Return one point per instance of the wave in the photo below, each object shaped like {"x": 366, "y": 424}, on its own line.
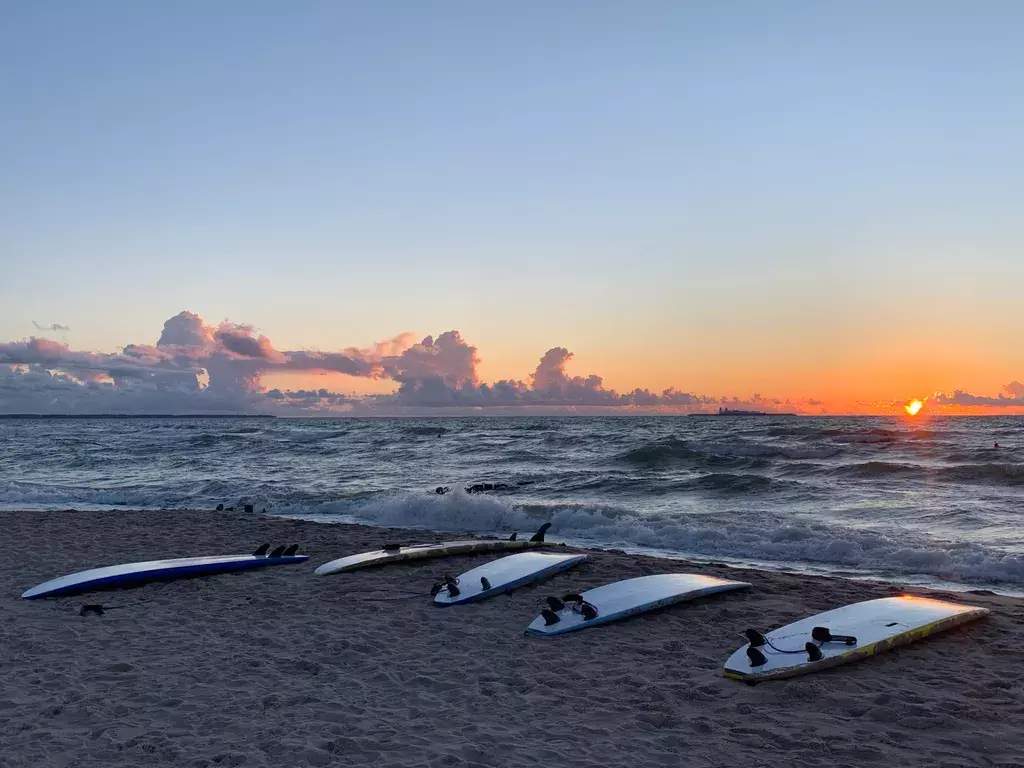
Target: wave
{"x": 727, "y": 482}
{"x": 302, "y": 436}
{"x": 424, "y": 429}
{"x": 1000, "y": 474}
{"x": 675, "y": 450}
{"x": 764, "y": 538}
{"x": 738, "y": 483}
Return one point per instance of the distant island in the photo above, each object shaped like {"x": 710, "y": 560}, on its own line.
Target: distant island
{"x": 136, "y": 416}
{"x": 741, "y": 412}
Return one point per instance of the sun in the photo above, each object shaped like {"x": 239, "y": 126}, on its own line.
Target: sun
{"x": 913, "y": 407}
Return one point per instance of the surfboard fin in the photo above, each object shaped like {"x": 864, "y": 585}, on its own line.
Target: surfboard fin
{"x": 822, "y": 635}
{"x": 485, "y": 583}
{"x": 813, "y": 652}
{"x": 291, "y": 550}
{"x": 262, "y": 550}
{"x": 514, "y": 536}
{"x": 554, "y": 603}
{"x": 278, "y": 551}
{"x": 539, "y": 535}
{"x": 550, "y": 617}
{"x": 755, "y": 638}
{"x": 391, "y": 547}
{"x": 756, "y": 657}
{"x": 589, "y": 612}
{"x": 449, "y": 583}
{"x": 572, "y": 597}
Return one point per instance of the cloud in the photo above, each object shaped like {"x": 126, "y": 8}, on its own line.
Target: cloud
{"x": 961, "y": 398}
{"x": 186, "y": 330}
{"x": 197, "y": 367}
{"x": 239, "y": 340}
{"x": 1015, "y": 388}
{"x": 51, "y": 327}
{"x": 442, "y": 373}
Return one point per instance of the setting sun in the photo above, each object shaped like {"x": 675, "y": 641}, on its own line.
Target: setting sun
{"x": 913, "y": 407}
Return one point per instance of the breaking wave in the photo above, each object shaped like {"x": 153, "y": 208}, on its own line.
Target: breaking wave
{"x": 763, "y": 538}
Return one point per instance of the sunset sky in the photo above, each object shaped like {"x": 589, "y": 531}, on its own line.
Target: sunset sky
{"x": 809, "y": 201}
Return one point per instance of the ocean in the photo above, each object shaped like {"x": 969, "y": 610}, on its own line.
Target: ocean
{"x": 927, "y": 501}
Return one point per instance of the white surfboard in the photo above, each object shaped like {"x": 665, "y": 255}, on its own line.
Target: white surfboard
{"x": 871, "y": 627}
{"x": 128, "y": 574}
{"x": 422, "y": 551}
{"x": 503, "y": 575}
{"x": 623, "y": 599}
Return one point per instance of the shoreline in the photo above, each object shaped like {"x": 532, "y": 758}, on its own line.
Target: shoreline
{"x": 908, "y": 581}
{"x": 278, "y": 666}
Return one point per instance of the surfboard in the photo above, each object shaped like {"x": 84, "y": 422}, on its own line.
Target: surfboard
{"x": 623, "y": 599}
{"x": 843, "y": 635}
{"x": 398, "y": 554}
{"x": 159, "y": 570}
{"x": 503, "y": 575}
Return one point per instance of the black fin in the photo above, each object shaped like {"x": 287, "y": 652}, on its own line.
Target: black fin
{"x": 572, "y": 597}
{"x": 485, "y": 583}
{"x": 813, "y": 652}
{"x": 262, "y": 550}
{"x": 539, "y": 535}
{"x": 756, "y": 657}
{"x": 447, "y": 583}
{"x": 391, "y": 547}
{"x": 823, "y": 635}
{"x": 589, "y": 612}
{"x": 278, "y": 551}
{"x": 756, "y": 638}
{"x": 514, "y": 536}
{"x": 550, "y": 617}
{"x": 291, "y": 550}
{"x": 555, "y": 603}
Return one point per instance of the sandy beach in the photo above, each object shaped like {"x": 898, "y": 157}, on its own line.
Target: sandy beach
{"x": 279, "y": 667}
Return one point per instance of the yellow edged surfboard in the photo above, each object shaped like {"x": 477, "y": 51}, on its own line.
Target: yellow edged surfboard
{"x": 843, "y": 635}
{"x": 398, "y": 554}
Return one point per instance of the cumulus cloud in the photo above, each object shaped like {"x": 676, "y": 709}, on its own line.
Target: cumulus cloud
{"x": 238, "y": 340}
{"x": 197, "y": 367}
{"x": 50, "y": 327}
{"x": 1013, "y": 399}
{"x": 1015, "y": 388}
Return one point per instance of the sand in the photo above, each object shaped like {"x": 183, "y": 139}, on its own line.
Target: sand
{"x": 279, "y": 667}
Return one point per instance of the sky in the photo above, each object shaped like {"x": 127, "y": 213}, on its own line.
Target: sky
{"x": 817, "y": 204}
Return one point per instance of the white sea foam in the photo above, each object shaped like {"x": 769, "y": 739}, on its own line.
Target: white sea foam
{"x": 765, "y": 538}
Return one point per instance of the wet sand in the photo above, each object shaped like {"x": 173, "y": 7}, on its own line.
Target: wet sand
{"x": 280, "y": 667}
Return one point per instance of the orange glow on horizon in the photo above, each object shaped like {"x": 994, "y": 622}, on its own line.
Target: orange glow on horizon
{"x": 913, "y": 407}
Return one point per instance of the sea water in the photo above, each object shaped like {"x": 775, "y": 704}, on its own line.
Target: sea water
{"x": 924, "y": 500}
